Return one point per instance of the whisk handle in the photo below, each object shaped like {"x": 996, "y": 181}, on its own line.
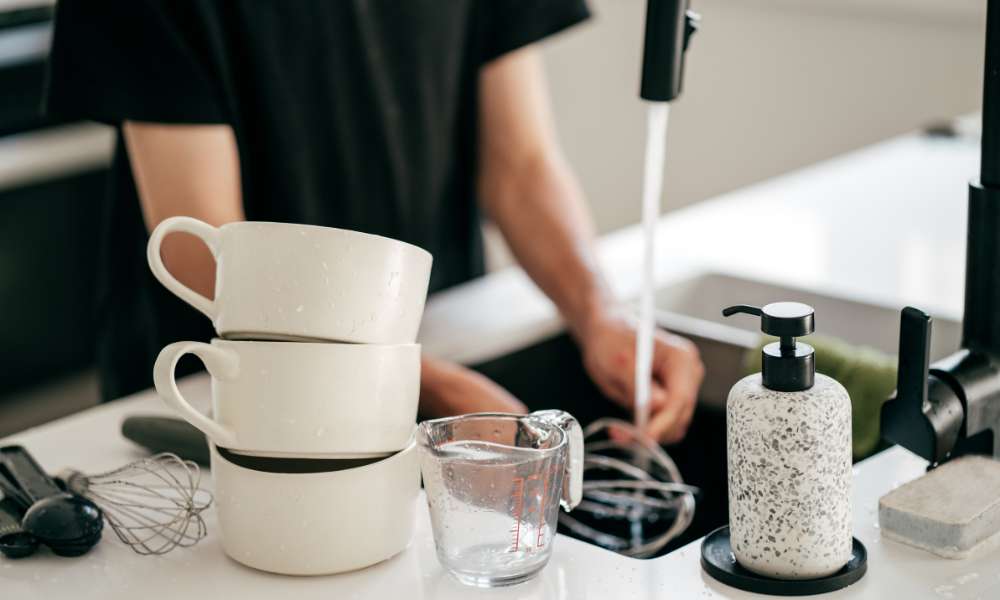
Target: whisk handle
{"x": 221, "y": 363}
{"x": 74, "y": 481}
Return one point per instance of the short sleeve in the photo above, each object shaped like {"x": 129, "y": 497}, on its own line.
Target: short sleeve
{"x": 128, "y": 60}
{"x": 506, "y": 25}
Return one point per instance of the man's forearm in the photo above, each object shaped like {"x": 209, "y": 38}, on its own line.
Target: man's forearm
{"x": 528, "y": 189}
{"x": 541, "y": 212}
{"x": 190, "y": 170}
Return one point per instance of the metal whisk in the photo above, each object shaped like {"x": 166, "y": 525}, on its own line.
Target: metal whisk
{"x": 648, "y": 485}
{"x": 153, "y": 505}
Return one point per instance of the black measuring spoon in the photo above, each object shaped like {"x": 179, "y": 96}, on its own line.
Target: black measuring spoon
{"x": 67, "y": 523}
{"x": 11, "y": 491}
{"x": 14, "y": 541}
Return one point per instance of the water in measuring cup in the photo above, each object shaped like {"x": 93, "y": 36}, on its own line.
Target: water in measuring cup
{"x": 494, "y": 509}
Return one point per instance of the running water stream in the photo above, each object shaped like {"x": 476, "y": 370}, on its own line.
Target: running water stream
{"x": 656, "y": 136}
{"x": 636, "y": 483}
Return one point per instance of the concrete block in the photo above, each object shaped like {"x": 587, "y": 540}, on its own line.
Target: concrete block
{"x": 952, "y": 511}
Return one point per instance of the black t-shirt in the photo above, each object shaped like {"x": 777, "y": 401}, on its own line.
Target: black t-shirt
{"x": 359, "y": 114}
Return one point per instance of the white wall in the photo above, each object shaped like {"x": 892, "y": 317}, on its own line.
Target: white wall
{"x": 770, "y": 85}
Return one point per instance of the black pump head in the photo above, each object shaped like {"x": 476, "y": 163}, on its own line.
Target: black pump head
{"x": 787, "y": 365}
{"x": 669, "y": 25}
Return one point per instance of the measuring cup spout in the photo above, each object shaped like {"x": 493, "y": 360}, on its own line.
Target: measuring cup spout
{"x": 572, "y": 491}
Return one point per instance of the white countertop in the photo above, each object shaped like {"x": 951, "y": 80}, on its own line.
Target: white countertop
{"x": 898, "y": 209}
{"x": 90, "y": 441}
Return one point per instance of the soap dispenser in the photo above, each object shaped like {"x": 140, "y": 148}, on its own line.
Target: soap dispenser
{"x": 789, "y": 446}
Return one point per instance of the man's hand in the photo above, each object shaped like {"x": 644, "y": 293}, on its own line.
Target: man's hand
{"x": 528, "y": 189}
{"x": 608, "y": 346}
{"x": 448, "y": 389}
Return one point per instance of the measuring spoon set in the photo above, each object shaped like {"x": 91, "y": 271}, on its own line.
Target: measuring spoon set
{"x": 36, "y": 510}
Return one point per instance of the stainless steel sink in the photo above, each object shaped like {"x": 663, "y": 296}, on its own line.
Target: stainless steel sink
{"x": 693, "y": 308}
{"x": 550, "y": 374}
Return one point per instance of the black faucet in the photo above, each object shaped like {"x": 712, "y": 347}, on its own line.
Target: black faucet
{"x": 952, "y": 407}
{"x": 669, "y": 26}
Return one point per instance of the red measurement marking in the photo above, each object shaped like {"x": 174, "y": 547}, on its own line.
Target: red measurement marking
{"x": 518, "y": 512}
{"x": 520, "y": 488}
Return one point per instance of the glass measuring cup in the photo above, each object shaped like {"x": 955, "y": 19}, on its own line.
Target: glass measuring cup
{"x": 494, "y": 485}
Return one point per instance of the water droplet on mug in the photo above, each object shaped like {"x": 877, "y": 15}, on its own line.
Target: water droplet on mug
{"x": 320, "y": 431}
{"x": 299, "y": 308}
{"x": 326, "y": 267}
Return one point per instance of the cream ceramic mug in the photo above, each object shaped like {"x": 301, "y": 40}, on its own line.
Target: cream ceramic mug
{"x": 299, "y": 282}
{"x": 316, "y": 523}
{"x": 291, "y": 399}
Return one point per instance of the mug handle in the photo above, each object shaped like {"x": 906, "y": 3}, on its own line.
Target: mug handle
{"x": 572, "y": 491}
{"x": 222, "y": 364}
{"x": 208, "y": 234}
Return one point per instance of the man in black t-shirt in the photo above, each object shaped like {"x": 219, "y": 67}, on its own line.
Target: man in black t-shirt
{"x": 398, "y": 118}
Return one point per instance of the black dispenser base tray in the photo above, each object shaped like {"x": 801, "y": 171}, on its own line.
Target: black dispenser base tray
{"x": 718, "y": 561}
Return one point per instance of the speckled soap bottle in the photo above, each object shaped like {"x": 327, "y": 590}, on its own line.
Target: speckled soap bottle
{"x": 789, "y": 442}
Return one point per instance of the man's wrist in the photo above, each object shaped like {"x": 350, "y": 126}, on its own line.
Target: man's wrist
{"x": 595, "y": 314}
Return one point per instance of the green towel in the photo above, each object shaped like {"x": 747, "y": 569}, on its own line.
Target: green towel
{"x": 868, "y": 375}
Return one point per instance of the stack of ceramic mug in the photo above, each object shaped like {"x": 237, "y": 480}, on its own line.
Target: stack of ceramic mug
{"x": 315, "y": 381}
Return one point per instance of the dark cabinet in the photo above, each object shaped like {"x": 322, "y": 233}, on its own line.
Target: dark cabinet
{"x": 49, "y": 228}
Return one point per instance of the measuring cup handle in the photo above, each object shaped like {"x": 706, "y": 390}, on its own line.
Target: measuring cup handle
{"x": 572, "y": 491}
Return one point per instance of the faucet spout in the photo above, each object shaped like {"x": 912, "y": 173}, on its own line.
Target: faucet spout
{"x": 989, "y": 167}
{"x": 669, "y": 26}
{"x": 952, "y": 407}
{"x": 981, "y": 323}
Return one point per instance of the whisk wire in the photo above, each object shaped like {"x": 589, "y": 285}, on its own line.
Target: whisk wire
{"x": 153, "y": 505}
{"x": 654, "y": 488}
